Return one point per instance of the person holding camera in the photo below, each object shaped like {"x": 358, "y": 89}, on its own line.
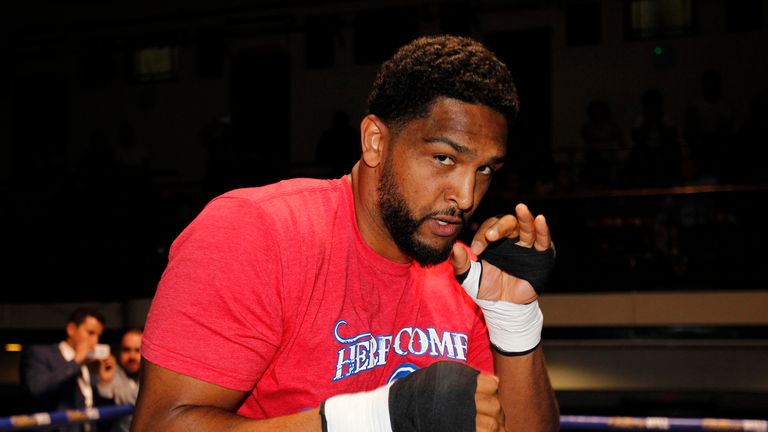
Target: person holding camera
{"x": 65, "y": 375}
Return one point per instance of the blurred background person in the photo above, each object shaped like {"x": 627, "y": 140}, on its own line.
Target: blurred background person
{"x": 122, "y": 384}
{"x": 656, "y": 156}
{"x": 604, "y": 146}
{"x": 710, "y": 128}
{"x": 64, "y": 376}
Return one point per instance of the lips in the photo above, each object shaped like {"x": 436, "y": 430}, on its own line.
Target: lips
{"x": 445, "y": 226}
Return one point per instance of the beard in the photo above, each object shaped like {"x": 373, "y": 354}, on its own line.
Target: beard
{"x": 403, "y": 226}
{"x": 133, "y": 375}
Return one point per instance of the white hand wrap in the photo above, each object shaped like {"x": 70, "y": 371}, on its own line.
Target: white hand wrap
{"x": 512, "y": 328}
{"x": 359, "y": 412}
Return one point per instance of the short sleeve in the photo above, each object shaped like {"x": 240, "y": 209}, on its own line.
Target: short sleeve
{"x": 216, "y": 315}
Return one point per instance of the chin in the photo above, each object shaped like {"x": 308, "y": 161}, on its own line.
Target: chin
{"x": 428, "y": 255}
{"x": 438, "y": 244}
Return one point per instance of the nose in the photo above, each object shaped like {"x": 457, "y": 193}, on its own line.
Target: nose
{"x": 462, "y": 191}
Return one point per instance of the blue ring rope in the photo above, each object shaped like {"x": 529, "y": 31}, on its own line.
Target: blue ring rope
{"x": 54, "y": 418}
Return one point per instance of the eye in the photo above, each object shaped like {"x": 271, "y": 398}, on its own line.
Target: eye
{"x": 485, "y": 170}
{"x": 445, "y": 159}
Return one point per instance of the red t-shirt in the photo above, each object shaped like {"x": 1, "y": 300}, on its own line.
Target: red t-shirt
{"x": 273, "y": 291}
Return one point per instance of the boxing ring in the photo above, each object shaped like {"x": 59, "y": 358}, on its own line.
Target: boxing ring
{"x": 57, "y": 418}
{"x": 567, "y": 422}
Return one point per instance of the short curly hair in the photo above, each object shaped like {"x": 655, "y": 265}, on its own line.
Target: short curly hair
{"x": 431, "y": 67}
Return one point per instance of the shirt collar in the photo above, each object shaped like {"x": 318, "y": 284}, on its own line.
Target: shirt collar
{"x": 66, "y": 351}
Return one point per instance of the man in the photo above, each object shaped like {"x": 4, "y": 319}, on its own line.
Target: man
{"x": 58, "y": 376}
{"x": 333, "y": 305}
{"x": 121, "y": 384}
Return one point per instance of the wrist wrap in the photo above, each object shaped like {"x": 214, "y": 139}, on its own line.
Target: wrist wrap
{"x": 514, "y": 329}
{"x": 356, "y": 412}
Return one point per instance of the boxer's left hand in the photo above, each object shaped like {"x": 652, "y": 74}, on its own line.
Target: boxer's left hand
{"x": 495, "y": 284}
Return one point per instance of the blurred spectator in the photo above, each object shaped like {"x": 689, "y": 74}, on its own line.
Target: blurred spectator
{"x": 709, "y": 128}
{"x": 563, "y": 183}
{"x": 64, "y": 376}
{"x": 656, "y": 157}
{"x": 122, "y": 385}
{"x": 604, "y": 146}
{"x": 747, "y": 157}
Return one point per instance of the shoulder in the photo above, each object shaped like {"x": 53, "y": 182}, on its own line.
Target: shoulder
{"x": 42, "y": 350}
{"x": 278, "y": 199}
{"x": 42, "y": 355}
{"x": 242, "y": 225}
{"x": 283, "y": 189}
{"x": 284, "y": 207}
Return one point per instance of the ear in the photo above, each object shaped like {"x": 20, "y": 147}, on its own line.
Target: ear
{"x": 374, "y": 137}
{"x": 71, "y": 329}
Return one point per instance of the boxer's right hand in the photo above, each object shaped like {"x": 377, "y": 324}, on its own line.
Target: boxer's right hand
{"x": 446, "y": 396}
{"x": 490, "y": 416}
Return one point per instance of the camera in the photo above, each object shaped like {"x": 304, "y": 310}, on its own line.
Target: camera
{"x": 100, "y": 352}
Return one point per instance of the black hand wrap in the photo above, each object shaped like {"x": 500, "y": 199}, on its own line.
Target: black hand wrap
{"x": 523, "y": 262}
{"x": 439, "y": 398}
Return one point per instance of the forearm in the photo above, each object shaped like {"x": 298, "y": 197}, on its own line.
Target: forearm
{"x": 169, "y": 401}
{"x": 526, "y": 393}
{"x": 203, "y": 418}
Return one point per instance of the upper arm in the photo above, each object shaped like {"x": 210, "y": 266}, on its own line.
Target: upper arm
{"x": 164, "y": 394}
{"x": 170, "y": 402}
{"x": 221, "y": 288}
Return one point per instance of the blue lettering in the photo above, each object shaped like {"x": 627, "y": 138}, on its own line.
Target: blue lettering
{"x": 365, "y": 351}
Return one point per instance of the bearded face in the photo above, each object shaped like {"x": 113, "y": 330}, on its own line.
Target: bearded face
{"x": 404, "y": 226}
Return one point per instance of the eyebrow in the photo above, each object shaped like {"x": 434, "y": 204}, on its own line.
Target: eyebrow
{"x": 462, "y": 149}
{"x": 456, "y": 146}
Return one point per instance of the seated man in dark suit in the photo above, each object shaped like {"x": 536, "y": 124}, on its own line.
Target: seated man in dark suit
{"x": 64, "y": 376}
